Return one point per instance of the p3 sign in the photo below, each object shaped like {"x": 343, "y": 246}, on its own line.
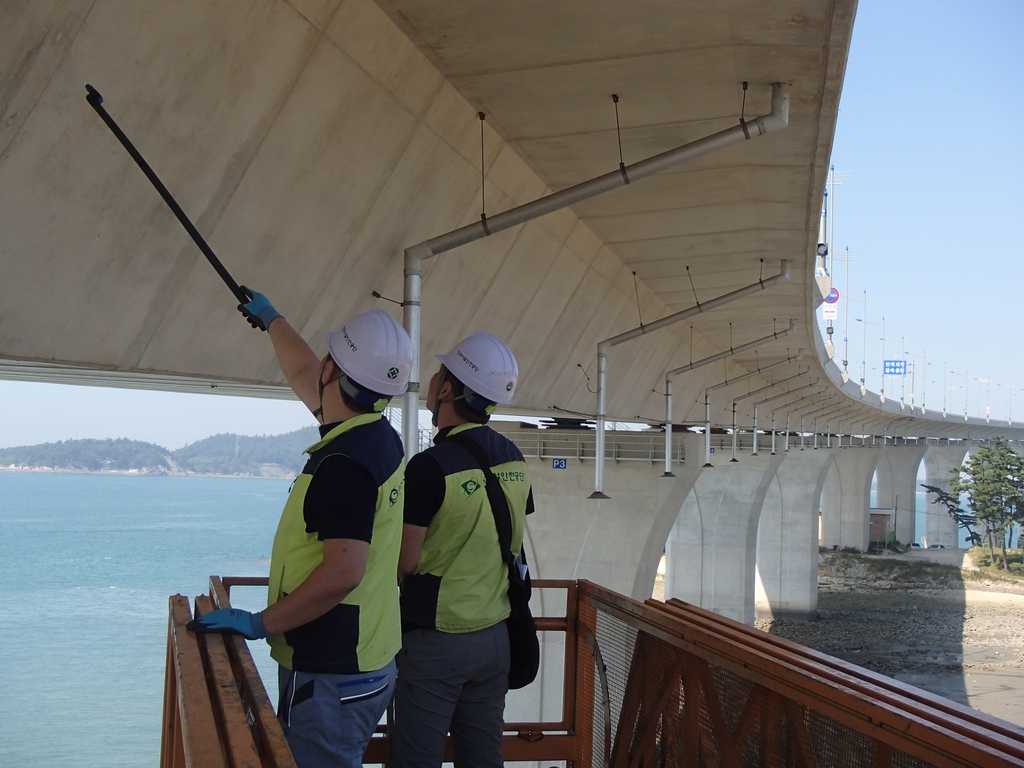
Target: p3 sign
{"x": 558, "y": 463}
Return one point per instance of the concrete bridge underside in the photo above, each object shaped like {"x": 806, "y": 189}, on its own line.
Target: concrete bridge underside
{"x": 313, "y": 140}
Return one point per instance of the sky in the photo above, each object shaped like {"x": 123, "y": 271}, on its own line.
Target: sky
{"x": 929, "y": 130}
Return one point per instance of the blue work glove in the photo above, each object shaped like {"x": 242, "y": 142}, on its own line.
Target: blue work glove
{"x": 258, "y": 310}
{"x": 230, "y": 621}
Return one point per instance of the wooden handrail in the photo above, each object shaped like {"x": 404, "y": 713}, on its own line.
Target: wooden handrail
{"x": 217, "y": 713}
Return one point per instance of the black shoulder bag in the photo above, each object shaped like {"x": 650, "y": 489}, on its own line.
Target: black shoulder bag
{"x": 524, "y": 648}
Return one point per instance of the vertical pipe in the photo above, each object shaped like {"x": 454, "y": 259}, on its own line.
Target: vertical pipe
{"x": 814, "y": 429}
{"x": 411, "y": 322}
{"x": 828, "y": 433}
{"x": 786, "y": 443}
{"x": 754, "y": 452}
{"x": 734, "y": 431}
{"x": 668, "y": 428}
{"x": 707, "y": 430}
{"x": 773, "y": 433}
{"x": 801, "y": 431}
{"x": 602, "y": 371}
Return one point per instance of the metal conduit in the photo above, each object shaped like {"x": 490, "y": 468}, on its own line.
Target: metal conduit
{"x": 707, "y": 392}
{"x": 789, "y": 415}
{"x": 757, "y": 392}
{"x": 759, "y": 371}
{"x": 820, "y": 411}
{"x": 604, "y": 346}
{"x": 839, "y": 424}
{"x": 725, "y": 383}
{"x": 753, "y": 451}
{"x": 838, "y": 416}
{"x": 415, "y": 254}
{"x": 780, "y": 408}
{"x": 784, "y": 405}
{"x": 831, "y": 411}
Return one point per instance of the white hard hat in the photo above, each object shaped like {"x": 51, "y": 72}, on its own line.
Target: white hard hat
{"x": 374, "y": 351}
{"x": 486, "y": 365}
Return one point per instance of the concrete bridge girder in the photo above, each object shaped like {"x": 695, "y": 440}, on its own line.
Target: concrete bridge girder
{"x": 787, "y": 538}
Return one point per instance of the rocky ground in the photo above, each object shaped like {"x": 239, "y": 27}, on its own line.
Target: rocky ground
{"x": 947, "y": 629}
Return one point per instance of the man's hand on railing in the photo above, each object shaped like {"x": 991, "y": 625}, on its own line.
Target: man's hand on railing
{"x": 230, "y": 621}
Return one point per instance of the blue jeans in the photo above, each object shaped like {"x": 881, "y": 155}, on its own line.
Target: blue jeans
{"x": 329, "y": 719}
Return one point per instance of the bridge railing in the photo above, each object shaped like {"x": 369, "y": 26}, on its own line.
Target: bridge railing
{"x": 581, "y": 445}
{"x": 652, "y": 683}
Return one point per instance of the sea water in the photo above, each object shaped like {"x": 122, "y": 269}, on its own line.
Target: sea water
{"x": 87, "y": 563}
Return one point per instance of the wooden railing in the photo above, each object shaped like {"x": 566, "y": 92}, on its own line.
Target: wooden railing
{"x": 644, "y": 684}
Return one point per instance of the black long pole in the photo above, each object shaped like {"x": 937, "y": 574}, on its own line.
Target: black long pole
{"x": 95, "y": 101}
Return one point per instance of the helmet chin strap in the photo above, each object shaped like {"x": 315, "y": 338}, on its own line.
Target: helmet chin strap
{"x": 437, "y": 400}
{"x": 467, "y": 393}
{"x": 346, "y": 387}
{"x": 318, "y": 414}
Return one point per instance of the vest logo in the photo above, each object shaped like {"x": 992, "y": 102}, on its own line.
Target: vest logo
{"x": 395, "y": 493}
{"x": 392, "y": 373}
{"x": 471, "y": 487}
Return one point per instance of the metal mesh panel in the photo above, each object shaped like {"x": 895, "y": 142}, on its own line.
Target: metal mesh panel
{"x": 903, "y": 760}
{"x": 672, "y": 708}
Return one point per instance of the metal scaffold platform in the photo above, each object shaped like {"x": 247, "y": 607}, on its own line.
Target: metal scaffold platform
{"x": 642, "y": 684}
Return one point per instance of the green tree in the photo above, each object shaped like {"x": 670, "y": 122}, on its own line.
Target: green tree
{"x": 963, "y": 518}
{"x": 993, "y": 481}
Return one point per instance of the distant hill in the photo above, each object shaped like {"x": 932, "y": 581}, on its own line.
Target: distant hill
{"x": 229, "y": 454}
{"x": 225, "y": 454}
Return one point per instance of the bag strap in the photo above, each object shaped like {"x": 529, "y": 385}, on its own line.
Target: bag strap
{"x": 495, "y": 495}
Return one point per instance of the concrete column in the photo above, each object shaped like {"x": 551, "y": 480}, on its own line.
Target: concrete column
{"x": 846, "y": 497}
{"x": 710, "y": 553}
{"x": 787, "y": 539}
{"x": 940, "y": 528}
{"x": 897, "y": 486}
{"x": 616, "y": 542}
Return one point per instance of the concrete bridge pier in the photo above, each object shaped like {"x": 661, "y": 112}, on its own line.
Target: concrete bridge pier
{"x": 787, "y": 538}
{"x": 897, "y": 486}
{"x": 940, "y": 528}
{"x": 615, "y": 542}
{"x": 846, "y": 498}
{"x": 710, "y": 553}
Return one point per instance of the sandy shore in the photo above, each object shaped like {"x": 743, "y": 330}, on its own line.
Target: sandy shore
{"x": 957, "y": 635}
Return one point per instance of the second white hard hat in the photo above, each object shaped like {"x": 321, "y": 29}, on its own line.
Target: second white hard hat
{"x": 486, "y": 365}
{"x": 374, "y": 351}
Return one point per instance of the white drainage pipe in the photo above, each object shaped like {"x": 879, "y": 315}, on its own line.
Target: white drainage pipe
{"x": 818, "y": 413}
{"x": 771, "y": 399}
{"x": 415, "y": 254}
{"x": 707, "y": 392}
{"x": 758, "y": 392}
{"x": 604, "y": 346}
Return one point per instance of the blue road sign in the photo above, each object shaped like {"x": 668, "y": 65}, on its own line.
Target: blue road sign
{"x": 558, "y": 463}
{"x": 833, "y": 296}
{"x": 894, "y": 367}
{"x": 712, "y": 450}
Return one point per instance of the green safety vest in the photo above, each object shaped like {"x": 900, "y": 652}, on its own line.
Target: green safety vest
{"x": 461, "y": 582}
{"x": 363, "y": 633}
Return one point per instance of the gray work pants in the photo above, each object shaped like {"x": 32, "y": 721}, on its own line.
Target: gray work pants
{"x": 329, "y": 719}
{"x": 450, "y": 683}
